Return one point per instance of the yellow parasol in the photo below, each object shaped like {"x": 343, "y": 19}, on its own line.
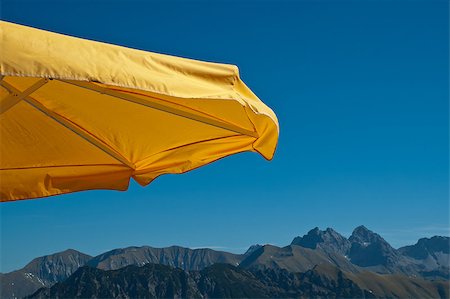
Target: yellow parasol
{"x": 81, "y": 115}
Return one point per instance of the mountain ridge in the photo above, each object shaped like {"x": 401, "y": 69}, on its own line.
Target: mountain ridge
{"x": 363, "y": 251}
{"x": 175, "y": 256}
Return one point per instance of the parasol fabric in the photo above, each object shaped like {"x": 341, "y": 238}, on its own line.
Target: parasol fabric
{"x": 79, "y": 115}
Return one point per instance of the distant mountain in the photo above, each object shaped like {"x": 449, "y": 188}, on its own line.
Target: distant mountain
{"x": 425, "y": 248}
{"x": 370, "y": 249}
{"x": 175, "y": 256}
{"x": 41, "y": 272}
{"x": 329, "y": 240}
{"x": 433, "y": 255}
{"x": 227, "y": 281}
{"x": 363, "y": 252}
{"x": 47, "y": 270}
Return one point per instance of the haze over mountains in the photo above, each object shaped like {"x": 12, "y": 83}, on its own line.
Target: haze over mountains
{"x": 363, "y": 258}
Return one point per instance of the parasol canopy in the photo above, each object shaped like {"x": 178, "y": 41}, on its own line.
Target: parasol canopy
{"x": 80, "y": 115}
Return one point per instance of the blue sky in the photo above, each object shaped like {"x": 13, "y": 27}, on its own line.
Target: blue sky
{"x": 361, "y": 91}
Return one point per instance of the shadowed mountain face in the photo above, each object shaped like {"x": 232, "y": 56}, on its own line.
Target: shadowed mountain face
{"x": 370, "y": 249}
{"x": 427, "y": 247}
{"x": 41, "y": 272}
{"x": 227, "y": 281}
{"x": 433, "y": 255}
{"x": 252, "y": 249}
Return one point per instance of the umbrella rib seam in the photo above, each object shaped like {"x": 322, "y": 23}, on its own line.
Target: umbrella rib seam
{"x": 73, "y": 128}
{"x": 161, "y": 107}
{"x": 16, "y": 95}
{"x": 86, "y": 136}
{"x": 145, "y": 170}
{"x": 182, "y": 106}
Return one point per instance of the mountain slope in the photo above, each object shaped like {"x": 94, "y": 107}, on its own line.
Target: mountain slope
{"x": 433, "y": 256}
{"x": 227, "y": 281}
{"x": 294, "y": 258}
{"x": 41, "y": 272}
{"x": 217, "y": 281}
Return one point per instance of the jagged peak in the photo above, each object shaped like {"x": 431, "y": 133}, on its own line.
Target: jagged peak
{"x": 361, "y": 229}
{"x": 328, "y": 240}
{"x": 362, "y": 234}
{"x": 314, "y": 230}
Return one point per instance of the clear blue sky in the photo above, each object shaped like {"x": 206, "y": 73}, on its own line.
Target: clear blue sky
{"x": 361, "y": 92}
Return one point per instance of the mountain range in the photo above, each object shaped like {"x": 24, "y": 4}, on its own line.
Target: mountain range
{"x": 364, "y": 254}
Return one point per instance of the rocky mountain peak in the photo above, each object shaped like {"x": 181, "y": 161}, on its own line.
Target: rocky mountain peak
{"x": 362, "y": 234}
{"x": 370, "y": 249}
{"x": 328, "y": 240}
{"x": 315, "y": 231}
